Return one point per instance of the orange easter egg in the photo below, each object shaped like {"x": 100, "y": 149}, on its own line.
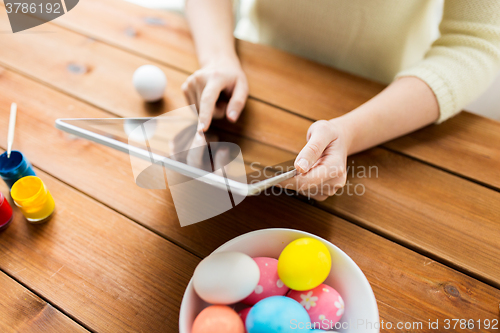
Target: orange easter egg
{"x": 218, "y": 319}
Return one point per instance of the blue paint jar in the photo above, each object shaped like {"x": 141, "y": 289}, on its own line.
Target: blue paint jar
{"x": 14, "y": 168}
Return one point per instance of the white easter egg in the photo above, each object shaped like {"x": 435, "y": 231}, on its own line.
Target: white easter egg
{"x": 226, "y": 277}
{"x": 150, "y": 82}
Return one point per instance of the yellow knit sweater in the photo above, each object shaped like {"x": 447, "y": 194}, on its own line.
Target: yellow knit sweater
{"x": 386, "y": 39}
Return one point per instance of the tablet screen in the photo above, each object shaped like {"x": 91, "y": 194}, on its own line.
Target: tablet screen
{"x": 174, "y": 135}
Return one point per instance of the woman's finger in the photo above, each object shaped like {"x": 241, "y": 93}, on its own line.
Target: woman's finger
{"x": 209, "y": 97}
{"x": 322, "y": 134}
{"x": 237, "y": 101}
{"x": 322, "y": 191}
{"x": 197, "y": 150}
{"x": 319, "y": 197}
{"x": 189, "y": 92}
{"x": 329, "y": 169}
{"x": 331, "y": 187}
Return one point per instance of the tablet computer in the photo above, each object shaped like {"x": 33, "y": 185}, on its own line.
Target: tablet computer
{"x": 218, "y": 157}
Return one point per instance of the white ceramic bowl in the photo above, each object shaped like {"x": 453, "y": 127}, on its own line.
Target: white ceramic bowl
{"x": 361, "y": 310}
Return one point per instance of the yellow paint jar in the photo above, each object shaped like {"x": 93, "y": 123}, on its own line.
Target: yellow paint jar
{"x": 32, "y": 197}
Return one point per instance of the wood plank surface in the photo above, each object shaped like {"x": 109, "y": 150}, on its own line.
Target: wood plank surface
{"x": 269, "y": 76}
{"x": 107, "y": 81}
{"x": 408, "y": 286}
{"x": 277, "y": 127}
{"x": 432, "y": 290}
{"x": 104, "y": 270}
{"x": 298, "y": 85}
{"x": 467, "y": 145}
{"x": 24, "y": 312}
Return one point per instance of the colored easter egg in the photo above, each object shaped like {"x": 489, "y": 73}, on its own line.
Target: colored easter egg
{"x": 269, "y": 282}
{"x": 244, "y": 314}
{"x": 218, "y": 319}
{"x": 323, "y": 304}
{"x": 225, "y": 277}
{"x": 277, "y": 314}
{"x": 304, "y": 264}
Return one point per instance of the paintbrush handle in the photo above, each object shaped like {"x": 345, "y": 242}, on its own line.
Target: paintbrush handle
{"x": 12, "y": 125}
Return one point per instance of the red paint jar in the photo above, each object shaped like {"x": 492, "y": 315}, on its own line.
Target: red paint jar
{"x": 5, "y": 212}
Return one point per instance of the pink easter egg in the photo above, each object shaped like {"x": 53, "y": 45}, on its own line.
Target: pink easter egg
{"x": 269, "y": 283}
{"x": 324, "y": 305}
{"x": 243, "y": 315}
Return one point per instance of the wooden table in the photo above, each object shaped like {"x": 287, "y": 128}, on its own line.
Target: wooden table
{"x": 114, "y": 258}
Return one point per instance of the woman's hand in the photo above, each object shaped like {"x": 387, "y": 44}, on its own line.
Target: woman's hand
{"x": 204, "y": 87}
{"x": 321, "y": 164}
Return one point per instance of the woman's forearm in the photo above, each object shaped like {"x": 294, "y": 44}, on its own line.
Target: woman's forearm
{"x": 212, "y": 26}
{"x": 404, "y": 106}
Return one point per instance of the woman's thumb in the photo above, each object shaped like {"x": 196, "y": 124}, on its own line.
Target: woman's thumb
{"x": 321, "y": 136}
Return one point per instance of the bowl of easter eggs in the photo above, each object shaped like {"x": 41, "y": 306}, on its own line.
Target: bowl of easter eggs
{"x": 278, "y": 280}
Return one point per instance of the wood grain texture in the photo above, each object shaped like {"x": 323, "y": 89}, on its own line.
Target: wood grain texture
{"x": 107, "y": 83}
{"x": 295, "y": 84}
{"x": 406, "y": 284}
{"x": 24, "y": 312}
{"x": 165, "y": 37}
{"x": 467, "y": 145}
{"x": 104, "y": 270}
{"x": 277, "y": 127}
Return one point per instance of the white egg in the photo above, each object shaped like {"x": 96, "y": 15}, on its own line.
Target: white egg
{"x": 226, "y": 277}
{"x": 150, "y": 82}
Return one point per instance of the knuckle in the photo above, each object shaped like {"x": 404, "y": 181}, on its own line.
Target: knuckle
{"x": 195, "y": 78}
{"x": 317, "y": 125}
{"x": 331, "y": 191}
{"x": 314, "y": 149}
{"x": 205, "y": 98}
{"x": 238, "y": 104}
{"x": 243, "y": 81}
{"x": 341, "y": 172}
{"x": 337, "y": 187}
{"x": 188, "y": 82}
{"x": 344, "y": 179}
{"x": 321, "y": 124}
{"x": 325, "y": 126}
{"x": 340, "y": 183}
{"x": 215, "y": 73}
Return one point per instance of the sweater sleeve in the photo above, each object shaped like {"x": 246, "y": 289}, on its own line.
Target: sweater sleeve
{"x": 463, "y": 61}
